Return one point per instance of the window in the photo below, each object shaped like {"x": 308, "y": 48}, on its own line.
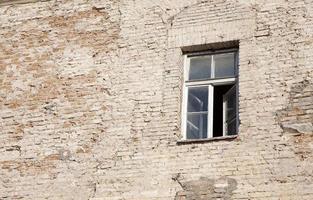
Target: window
{"x": 210, "y": 102}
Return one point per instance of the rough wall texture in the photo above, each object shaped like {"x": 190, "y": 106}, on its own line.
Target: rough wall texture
{"x": 91, "y": 89}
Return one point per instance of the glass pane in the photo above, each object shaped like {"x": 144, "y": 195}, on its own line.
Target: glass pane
{"x": 197, "y": 126}
{"x": 197, "y": 99}
{"x": 231, "y": 127}
{"x": 224, "y": 65}
{"x": 231, "y": 104}
{"x": 200, "y": 68}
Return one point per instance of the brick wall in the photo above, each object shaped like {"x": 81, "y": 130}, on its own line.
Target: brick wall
{"x": 91, "y": 95}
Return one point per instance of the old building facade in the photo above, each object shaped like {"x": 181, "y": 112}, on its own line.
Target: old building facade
{"x": 91, "y": 100}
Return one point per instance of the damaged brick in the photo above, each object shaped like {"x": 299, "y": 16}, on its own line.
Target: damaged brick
{"x": 296, "y": 120}
{"x": 205, "y": 188}
{"x": 297, "y": 117}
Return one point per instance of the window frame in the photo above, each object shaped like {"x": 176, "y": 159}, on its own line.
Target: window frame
{"x": 210, "y": 82}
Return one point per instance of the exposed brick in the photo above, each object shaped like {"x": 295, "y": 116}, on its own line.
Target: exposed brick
{"x": 90, "y": 100}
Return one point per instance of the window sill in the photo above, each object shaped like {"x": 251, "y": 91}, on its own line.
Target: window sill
{"x": 190, "y": 141}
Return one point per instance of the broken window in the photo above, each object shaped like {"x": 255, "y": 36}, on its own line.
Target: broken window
{"x": 210, "y": 102}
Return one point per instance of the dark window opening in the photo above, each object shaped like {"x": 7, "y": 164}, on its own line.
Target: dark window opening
{"x": 219, "y": 92}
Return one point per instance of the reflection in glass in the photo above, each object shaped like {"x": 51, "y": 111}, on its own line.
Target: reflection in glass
{"x": 197, "y": 126}
{"x": 197, "y": 99}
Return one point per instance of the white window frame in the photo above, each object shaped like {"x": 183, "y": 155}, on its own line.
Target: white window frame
{"x": 225, "y": 111}
{"x": 210, "y": 83}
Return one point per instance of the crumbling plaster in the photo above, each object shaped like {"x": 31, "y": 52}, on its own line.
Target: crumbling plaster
{"x": 91, "y": 90}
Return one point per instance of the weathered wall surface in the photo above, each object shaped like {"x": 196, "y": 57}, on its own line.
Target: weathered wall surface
{"x": 90, "y": 100}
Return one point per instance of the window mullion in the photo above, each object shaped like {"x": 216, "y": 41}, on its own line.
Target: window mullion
{"x": 211, "y": 81}
{"x": 185, "y": 97}
{"x": 212, "y": 67}
{"x": 224, "y": 117}
{"x": 210, "y": 101}
{"x": 237, "y": 106}
{"x": 184, "y": 110}
{"x": 187, "y": 64}
{"x": 210, "y": 111}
